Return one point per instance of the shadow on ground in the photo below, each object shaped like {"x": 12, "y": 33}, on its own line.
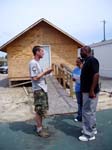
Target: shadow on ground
{"x": 64, "y": 134}
{"x": 66, "y": 125}
{"x": 4, "y": 82}
{"x": 23, "y": 127}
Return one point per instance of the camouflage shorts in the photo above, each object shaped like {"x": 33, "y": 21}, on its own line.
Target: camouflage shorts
{"x": 40, "y": 102}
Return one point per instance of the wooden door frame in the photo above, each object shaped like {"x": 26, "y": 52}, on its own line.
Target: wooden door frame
{"x": 49, "y": 52}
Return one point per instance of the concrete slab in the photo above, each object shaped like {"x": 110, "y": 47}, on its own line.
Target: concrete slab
{"x": 59, "y": 100}
{"x": 106, "y": 84}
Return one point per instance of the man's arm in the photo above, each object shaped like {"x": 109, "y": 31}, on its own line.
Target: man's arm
{"x": 95, "y": 68}
{"x": 94, "y": 83}
{"x": 40, "y": 75}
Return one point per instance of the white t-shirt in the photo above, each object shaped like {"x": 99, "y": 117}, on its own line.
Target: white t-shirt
{"x": 35, "y": 69}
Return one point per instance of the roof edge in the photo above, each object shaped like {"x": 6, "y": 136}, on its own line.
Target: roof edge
{"x": 33, "y": 25}
{"x": 101, "y": 43}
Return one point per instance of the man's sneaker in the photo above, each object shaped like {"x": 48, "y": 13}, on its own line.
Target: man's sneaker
{"x": 85, "y": 138}
{"x": 95, "y": 131}
{"x": 76, "y": 120}
{"x": 43, "y": 128}
{"x": 43, "y": 134}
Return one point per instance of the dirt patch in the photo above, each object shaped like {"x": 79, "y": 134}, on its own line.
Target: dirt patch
{"x": 15, "y": 105}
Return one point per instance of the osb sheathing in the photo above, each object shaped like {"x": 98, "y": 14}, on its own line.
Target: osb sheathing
{"x": 63, "y": 49}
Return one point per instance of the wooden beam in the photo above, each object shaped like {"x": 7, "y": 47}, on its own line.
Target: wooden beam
{"x": 18, "y": 84}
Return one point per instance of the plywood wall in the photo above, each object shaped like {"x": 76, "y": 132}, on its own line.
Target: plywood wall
{"x": 63, "y": 49}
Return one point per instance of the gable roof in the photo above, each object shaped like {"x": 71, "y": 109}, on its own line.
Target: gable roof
{"x": 36, "y": 23}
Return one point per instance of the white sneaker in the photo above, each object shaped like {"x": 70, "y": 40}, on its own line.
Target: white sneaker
{"x": 95, "y": 132}
{"x": 85, "y": 138}
{"x": 76, "y": 120}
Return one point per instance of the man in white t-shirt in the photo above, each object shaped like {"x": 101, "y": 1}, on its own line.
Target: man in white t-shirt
{"x": 39, "y": 87}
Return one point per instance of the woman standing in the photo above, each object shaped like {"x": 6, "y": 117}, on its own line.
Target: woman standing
{"x": 76, "y": 77}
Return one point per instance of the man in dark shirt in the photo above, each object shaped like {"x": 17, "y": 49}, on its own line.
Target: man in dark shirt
{"x": 90, "y": 90}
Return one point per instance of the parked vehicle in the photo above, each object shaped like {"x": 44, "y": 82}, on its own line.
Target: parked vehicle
{"x": 4, "y": 68}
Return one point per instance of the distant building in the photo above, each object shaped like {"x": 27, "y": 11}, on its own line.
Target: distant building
{"x": 3, "y": 61}
{"x": 60, "y": 47}
{"x": 103, "y": 51}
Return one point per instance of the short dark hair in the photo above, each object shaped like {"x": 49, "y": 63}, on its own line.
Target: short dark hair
{"x": 35, "y": 49}
{"x": 88, "y": 48}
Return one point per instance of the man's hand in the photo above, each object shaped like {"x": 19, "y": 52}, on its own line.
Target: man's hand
{"x": 92, "y": 94}
{"x": 48, "y": 70}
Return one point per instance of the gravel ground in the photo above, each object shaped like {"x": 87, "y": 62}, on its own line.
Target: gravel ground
{"x": 14, "y": 103}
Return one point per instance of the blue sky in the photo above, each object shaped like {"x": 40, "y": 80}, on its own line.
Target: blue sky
{"x": 80, "y": 18}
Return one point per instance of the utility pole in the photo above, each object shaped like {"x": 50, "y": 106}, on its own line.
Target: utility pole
{"x": 104, "y": 22}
